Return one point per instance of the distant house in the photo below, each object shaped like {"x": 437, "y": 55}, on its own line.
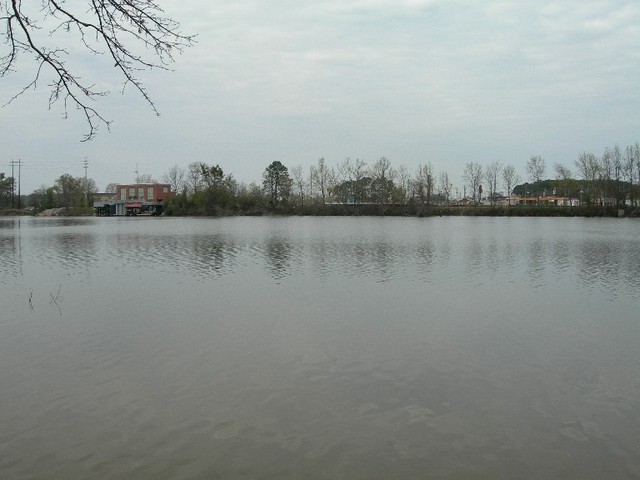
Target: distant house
{"x": 136, "y": 199}
{"x": 548, "y": 201}
{"x": 497, "y": 199}
{"x": 463, "y": 202}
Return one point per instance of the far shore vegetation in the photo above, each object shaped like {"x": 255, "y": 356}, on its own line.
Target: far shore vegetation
{"x": 606, "y": 185}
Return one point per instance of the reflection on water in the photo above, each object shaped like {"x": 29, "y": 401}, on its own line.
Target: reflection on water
{"x": 319, "y": 348}
{"x": 10, "y": 257}
{"x": 426, "y": 254}
{"x": 212, "y": 255}
{"x": 278, "y": 256}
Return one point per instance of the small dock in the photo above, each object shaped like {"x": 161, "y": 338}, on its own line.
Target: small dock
{"x": 128, "y": 209}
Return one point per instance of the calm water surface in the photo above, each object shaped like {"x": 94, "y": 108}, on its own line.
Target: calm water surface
{"x": 319, "y": 348}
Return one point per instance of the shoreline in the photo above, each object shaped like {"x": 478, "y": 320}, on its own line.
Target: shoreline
{"x": 370, "y": 210}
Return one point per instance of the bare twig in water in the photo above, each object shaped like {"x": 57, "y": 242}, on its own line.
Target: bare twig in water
{"x": 54, "y": 299}
{"x": 31, "y": 300}
{"x": 57, "y": 297}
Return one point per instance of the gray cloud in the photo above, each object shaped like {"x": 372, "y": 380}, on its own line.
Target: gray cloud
{"x": 442, "y": 81}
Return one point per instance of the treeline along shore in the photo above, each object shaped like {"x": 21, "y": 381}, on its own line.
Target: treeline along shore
{"x": 606, "y": 185}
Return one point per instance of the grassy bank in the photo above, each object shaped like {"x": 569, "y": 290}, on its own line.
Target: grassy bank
{"x": 442, "y": 210}
{"x": 14, "y": 212}
{"x": 51, "y": 212}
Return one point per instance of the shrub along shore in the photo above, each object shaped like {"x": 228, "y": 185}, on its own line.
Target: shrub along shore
{"x": 413, "y": 210}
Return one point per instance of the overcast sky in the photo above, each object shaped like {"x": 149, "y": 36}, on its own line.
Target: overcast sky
{"x": 440, "y": 81}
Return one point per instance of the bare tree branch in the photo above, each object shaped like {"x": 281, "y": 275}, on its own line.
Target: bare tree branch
{"x": 117, "y": 29}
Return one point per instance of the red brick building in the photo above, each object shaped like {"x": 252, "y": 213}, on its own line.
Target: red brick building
{"x": 136, "y": 199}
{"x": 144, "y": 192}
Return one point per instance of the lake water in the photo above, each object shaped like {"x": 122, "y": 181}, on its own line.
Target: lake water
{"x": 319, "y": 348}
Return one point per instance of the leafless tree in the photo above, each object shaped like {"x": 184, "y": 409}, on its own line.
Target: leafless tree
{"x": 473, "y": 176}
{"x": 606, "y": 172}
{"x": 636, "y": 155}
{"x": 629, "y": 173}
{"x": 118, "y": 30}
{"x": 535, "y": 168}
{"x": 492, "y": 173}
{"x": 588, "y": 166}
{"x": 312, "y": 181}
{"x": 176, "y": 178}
{"x": 321, "y": 174}
{"x": 145, "y": 178}
{"x": 616, "y": 163}
{"x": 423, "y": 183}
{"x": 298, "y": 181}
{"x": 194, "y": 179}
{"x": 563, "y": 175}
{"x": 509, "y": 179}
{"x": 350, "y": 170}
{"x": 445, "y": 186}
{"x": 404, "y": 182}
{"x": 381, "y": 168}
{"x": 344, "y": 169}
{"x": 382, "y": 176}
{"x": 356, "y": 172}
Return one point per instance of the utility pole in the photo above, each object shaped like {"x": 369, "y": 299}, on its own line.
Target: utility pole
{"x": 86, "y": 182}
{"x": 13, "y": 164}
{"x": 19, "y": 194}
{"x": 137, "y": 176}
{"x": 13, "y": 183}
